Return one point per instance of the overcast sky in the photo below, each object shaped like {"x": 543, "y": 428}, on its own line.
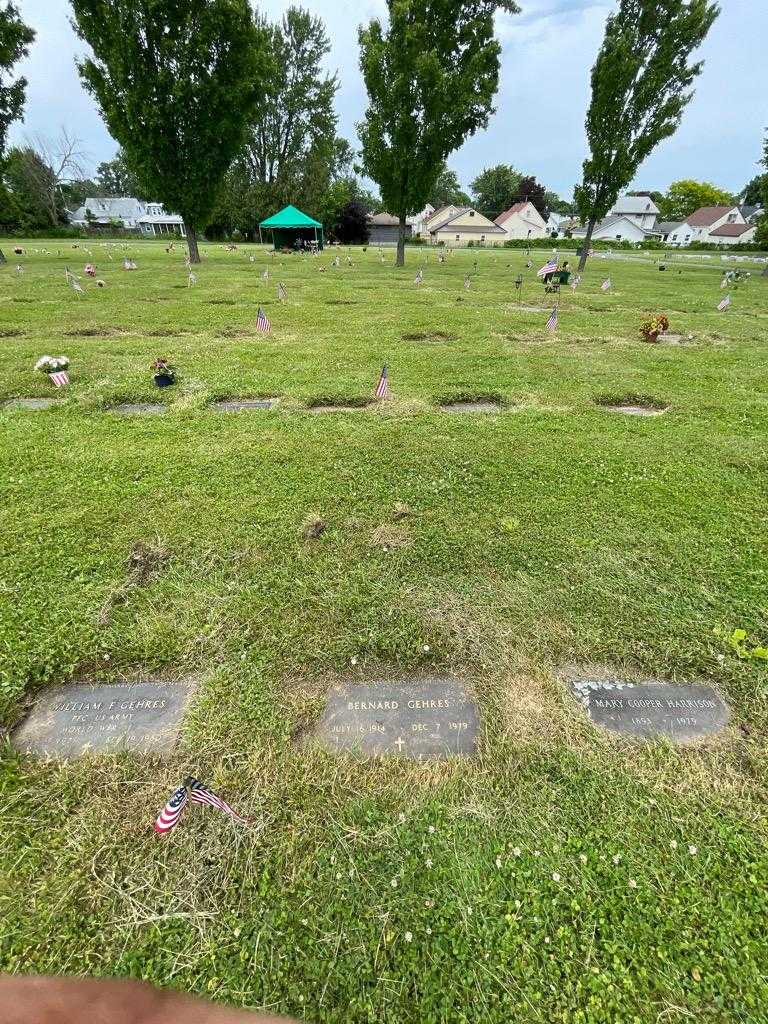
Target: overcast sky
{"x": 539, "y": 124}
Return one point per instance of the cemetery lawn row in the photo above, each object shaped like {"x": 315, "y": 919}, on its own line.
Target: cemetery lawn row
{"x": 559, "y": 875}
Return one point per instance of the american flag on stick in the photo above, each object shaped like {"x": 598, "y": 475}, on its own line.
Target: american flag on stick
{"x": 419, "y": 277}
{"x": 724, "y": 303}
{"x": 606, "y": 285}
{"x": 281, "y": 292}
{"x": 170, "y": 814}
{"x": 552, "y": 322}
{"x": 382, "y": 388}
{"x": 201, "y": 794}
{"x": 576, "y": 282}
{"x": 467, "y": 282}
{"x": 549, "y": 268}
{"x": 263, "y": 323}
{"x": 60, "y": 378}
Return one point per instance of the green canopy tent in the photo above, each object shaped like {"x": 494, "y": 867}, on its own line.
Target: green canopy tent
{"x": 291, "y": 224}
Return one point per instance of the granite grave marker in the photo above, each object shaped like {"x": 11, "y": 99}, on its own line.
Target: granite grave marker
{"x": 98, "y": 718}
{"x": 680, "y": 712}
{"x": 432, "y": 718}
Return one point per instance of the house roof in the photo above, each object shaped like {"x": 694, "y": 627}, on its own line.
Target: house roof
{"x": 634, "y": 204}
{"x": 749, "y": 211}
{"x": 732, "y": 230}
{"x": 161, "y": 218}
{"x": 434, "y": 223}
{"x": 483, "y": 229}
{"x": 614, "y": 219}
{"x": 384, "y": 220}
{"x": 290, "y": 217}
{"x": 666, "y": 227}
{"x": 707, "y": 215}
{"x": 515, "y": 208}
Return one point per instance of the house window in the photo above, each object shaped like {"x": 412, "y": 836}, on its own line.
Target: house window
{"x": 482, "y": 238}
{"x": 458, "y": 238}
{"x": 618, "y": 238}
{"x": 471, "y": 213}
{"x": 731, "y": 218}
{"x": 687, "y": 238}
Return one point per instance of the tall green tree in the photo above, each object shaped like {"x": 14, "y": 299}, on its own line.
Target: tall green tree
{"x": 641, "y": 84}
{"x": 683, "y": 197}
{"x": 177, "y": 82}
{"x": 447, "y": 190}
{"x": 294, "y": 122}
{"x": 15, "y": 40}
{"x": 431, "y": 76}
{"x": 115, "y": 178}
{"x": 495, "y": 189}
{"x": 754, "y": 191}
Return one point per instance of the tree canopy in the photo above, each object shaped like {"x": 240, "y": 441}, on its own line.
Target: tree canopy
{"x": 683, "y": 197}
{"x": 495, "y": 189}
{"x": 15, "y": 39}
{"x": 641, "y": 84}
{"x": 447, "y": 190}
{"x": 176, "y": 82}
{"x": 431, "y": 76}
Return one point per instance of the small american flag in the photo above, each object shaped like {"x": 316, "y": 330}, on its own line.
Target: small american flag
{"x": 552, "y": 322}
{"x": 192, "y": 279}
{"x": 467, "y": 282}
{"x": 382, "y": 388}
{"x": 419, "y": 277}
{"x": 724, "y": 303}
{"x": 201, "y": 794}
{"x": 281, "y": 292}
{"x": 60, "y": 378}
{"x": 172, "y": 811}
{"x": 606, "y": 285}
{"x": 265, "y": 275}
{"x": 549, "y": 268}
{"x": 263, "y": 323}
{"x": 576, "y": 282}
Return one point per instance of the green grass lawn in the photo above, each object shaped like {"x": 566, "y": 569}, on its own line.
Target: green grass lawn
{"x": 562, "y": 875}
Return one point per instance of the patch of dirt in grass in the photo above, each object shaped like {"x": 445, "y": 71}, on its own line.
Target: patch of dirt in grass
{"x": 430, "y": 336}
{"x": 340, "y": 302}
{"x": 389, "y": 536}
{"x": 145, "y": 562}
{"x": 164, "y": 332}
{"x": 313, "y": 527}
{"x": 8, "y": 333}
{"x": 327, "y": 404}
{"x": 632, "y": 404}
{"x": 221, "y": 302}
{"x": 97, "y": 332}
{"x": 18, "y": 298}
{"x": 468, "y": 403}
{"x": 235, "y": 332}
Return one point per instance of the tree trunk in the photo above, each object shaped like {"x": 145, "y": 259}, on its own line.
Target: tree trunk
{"x": 400, "y": 261}
{"x": 194, "y": 254}
{"x": 587, "y": 239}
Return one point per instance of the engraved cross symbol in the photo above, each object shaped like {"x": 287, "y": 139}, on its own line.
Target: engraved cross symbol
{"x": 400, "y": 743}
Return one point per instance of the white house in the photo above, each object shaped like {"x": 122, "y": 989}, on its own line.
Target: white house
{"x": 522, "y": 220}
{"x": 466, "y": 225}
{"x": 132, "y": 214}
{"x": 702, "y": 223}
{"x": 441, "y": 216}
{"x": 617, "y": 229}
{"x": 641, "y": 210}
{"x": 419, "y": 220}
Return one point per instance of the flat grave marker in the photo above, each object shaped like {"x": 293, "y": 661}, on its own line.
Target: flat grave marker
{"x": 33, "y": 403}
{"x": 431, "y": 718}
{"x": 139, "y": 409}
{"x": 102, "y": 718}
{"x": 244, "y": 404}
{"x": 484, "y": 405}
{"x": 681, "y": 712}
